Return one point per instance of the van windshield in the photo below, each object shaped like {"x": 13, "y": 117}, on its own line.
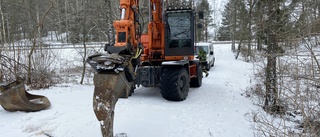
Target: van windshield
{"x": 205, "y": 48}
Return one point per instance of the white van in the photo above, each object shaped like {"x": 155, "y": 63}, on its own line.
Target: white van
{"x": 209, "y": 49}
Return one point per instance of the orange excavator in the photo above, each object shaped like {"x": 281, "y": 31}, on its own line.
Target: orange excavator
{"x": 164, "y": 57}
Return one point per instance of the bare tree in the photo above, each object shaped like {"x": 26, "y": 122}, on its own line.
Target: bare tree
{"x": 36, "y": 31}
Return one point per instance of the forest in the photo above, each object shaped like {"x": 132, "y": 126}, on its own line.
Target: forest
{"x": 24, "y": 24}
{"x": 279, "y": 37}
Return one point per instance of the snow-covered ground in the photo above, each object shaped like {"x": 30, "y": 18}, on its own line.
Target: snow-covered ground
{"x": 218, "y": 109}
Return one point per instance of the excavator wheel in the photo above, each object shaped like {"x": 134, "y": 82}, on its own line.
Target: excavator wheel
{"x": 133, "y": 87}
{"x": 197, "y": 81}
{"x": 174, "y": 83}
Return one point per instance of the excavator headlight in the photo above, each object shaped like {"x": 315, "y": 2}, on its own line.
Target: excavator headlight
{"x": 184, "y": 4}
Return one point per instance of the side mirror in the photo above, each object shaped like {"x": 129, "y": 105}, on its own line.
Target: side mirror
{"x": 105, "y": 46}
{"x": 199, "y": 26}
{"x": 211, "y": 53}
{"x": 200, "y": 14}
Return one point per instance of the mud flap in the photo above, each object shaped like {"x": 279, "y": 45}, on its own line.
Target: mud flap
{"x": 14, "y": 97}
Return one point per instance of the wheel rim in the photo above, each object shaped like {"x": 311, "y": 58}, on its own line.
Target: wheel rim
{"x": 182, "y": 82}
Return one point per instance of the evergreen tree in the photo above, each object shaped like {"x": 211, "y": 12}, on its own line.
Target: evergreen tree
{"x": 276, "y": 28}
{"x": 202, "y": 34}
{"x": 234, "y": 22}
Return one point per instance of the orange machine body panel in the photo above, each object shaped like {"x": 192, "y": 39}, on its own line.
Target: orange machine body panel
{"x": 126, "y": 27}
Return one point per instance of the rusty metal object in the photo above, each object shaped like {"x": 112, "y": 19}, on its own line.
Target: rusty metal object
{"x": 103, "y": 63}
{"x": 110, "y": 83}
{"x": 107, "y": 89}
{"x": 14, "y": 97}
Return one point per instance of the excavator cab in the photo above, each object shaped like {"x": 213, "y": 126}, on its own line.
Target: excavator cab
{"x": 179, "y": 33}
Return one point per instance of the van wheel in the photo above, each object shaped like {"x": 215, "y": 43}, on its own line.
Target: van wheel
{"x": 208, "y": 66}
{"x": 174, "y": 83}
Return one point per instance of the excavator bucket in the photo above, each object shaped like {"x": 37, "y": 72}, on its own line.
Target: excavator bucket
{"x": 107, "y": 89}
{"x": 110, "y": 83}
{"x": 14, "y": 97}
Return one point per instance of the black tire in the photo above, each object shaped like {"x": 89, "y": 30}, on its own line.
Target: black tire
{"x": 197, "y": 82}
{"x": 213, "y": 62}
{"x": 208, "y": 67}
{"x": 174, "y": 83}
{"x": 132, "y": 90}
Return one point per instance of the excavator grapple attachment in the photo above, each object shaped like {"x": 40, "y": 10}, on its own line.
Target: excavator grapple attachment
{"x": 110, "y": 83}
{"x": 14, "y": 97}
{"x": 107, "y": 89}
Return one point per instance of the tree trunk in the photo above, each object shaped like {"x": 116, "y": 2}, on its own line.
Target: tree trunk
{"x": 38, "y": 26}
{"x": 260, "y": 27}
{"x": 233, "y": 42}
{"x": 3, "y": 38}
{"x": 271, "y": 70}
{"x": 234, "y": 28}
{"x": 84, "y": 61}
{"x": 249, "y": 28}
{"x": 259, "y": 40}
{"x": 66, "y": 20}
{"x": 109, "y": 22}
{"x": 239, "y": 49}
{"x": 2, "y": 44}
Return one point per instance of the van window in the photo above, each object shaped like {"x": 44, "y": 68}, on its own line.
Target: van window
{"x": 205, "y": 48}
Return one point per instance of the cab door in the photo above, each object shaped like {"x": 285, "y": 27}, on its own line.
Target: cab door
{"x": 179, "y": 36}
